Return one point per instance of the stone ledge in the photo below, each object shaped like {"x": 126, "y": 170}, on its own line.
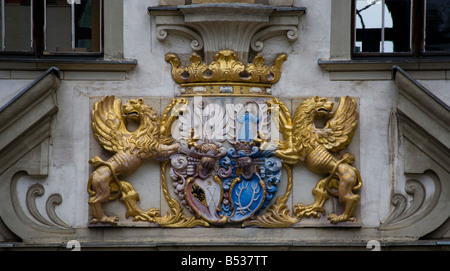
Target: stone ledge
{"x": 381, "y": 69}
{"x": 257, "y": 246}
{"x": 66, "y": 64}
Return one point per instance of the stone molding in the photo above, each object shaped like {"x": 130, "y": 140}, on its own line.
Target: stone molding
{"x": 73, "y": 64}
{"x": 214, "y": 27}
{"x": 376, "y": 69}
{"x": 18, "y": 115}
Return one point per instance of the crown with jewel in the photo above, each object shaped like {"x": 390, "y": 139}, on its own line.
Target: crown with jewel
{"x": 226, "y": 75}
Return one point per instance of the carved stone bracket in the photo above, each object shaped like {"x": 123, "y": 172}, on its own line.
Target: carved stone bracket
{"x": 419, "y": 147}
{"x": 25, "y": 129}
{"x": 238, "y": 27}
{"x": 163, "y": 31}
{"x": 290, "y": 31}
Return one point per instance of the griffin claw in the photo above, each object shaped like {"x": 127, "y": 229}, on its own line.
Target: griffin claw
{"x": 106, "y": 219}
{"x": 308, "y": 211}
{"x": 334, "y": 219}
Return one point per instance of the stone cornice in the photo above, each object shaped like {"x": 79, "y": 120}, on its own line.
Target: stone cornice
{"x": 384, "y": 64}
{"x": 28, "y": 111}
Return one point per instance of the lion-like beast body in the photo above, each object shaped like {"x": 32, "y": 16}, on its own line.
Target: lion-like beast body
{"x": 313, "y": 146}
{"x": 130, "y": 148}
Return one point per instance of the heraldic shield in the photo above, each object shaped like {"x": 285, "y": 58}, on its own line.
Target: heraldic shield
{"x": 221, "y": 173}
{"x": 224, "y": 145}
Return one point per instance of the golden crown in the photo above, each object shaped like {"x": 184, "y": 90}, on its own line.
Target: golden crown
{"x": 226, "y": 75}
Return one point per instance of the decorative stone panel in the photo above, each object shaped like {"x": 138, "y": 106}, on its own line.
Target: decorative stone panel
{"x": 25, "y": 129}
{"x": 419, "y": 152}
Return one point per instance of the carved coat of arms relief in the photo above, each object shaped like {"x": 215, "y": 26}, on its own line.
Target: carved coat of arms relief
{"x": 225, "y": 145}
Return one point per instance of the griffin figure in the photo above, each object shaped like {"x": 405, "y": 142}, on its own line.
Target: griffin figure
{"x": 150, "y": 140}
{"x": 303, "y": 141}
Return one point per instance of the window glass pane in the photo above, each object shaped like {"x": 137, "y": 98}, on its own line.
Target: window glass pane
{"x": 16, "y": 25}
{"x": 398, "y": 32}
{"x": 437, "y": 25}
{"x": 73, "y": 27}
{"x": 87, "y": 25}
{"x": 383, "y": 26}
{"x": 368, "y": 26}
{"x": 58, "y": 26}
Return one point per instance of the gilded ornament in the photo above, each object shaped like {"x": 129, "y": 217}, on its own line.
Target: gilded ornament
{"x": 226, "y": 68}
{"x": 303, "y": 141}
{"x": 225, "y": 161}
{"x": 175, "y": 218}
{"x": 149, "y": 140}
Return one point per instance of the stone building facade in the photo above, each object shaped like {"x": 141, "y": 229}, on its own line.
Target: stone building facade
{"x": 224, "y": 62}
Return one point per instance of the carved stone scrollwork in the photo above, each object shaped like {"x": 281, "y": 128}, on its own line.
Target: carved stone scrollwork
{"x": 416, "y": 211}
{"x": 37, "y": 190}
{"x": 419, "y": 159}
{"x": 422, "y": 202}
{"x": 52, "y": 201}
{"x": 256, "y": 43}
{"x": 417, "y": 191}
{"x": 163, "y": 31}
{"x": 213, "y": 27}
{"x": 25, "y": 129}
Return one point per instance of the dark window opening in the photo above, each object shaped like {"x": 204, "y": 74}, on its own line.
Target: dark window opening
{"x": 383, "y": 27}
{"x": 401, "y": 27}
{"x": 16, "y": 25}
{"x": 51, "y": 27}
{"x": 437, "y": 26}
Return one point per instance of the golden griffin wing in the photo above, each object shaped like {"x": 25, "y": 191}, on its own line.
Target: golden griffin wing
{"x": 340, "y": 128}
{"x": 108, "y": 124}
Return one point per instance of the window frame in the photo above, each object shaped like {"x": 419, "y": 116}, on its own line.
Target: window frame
{"x": 341, "y": 65}
{"x": 39, "y": 39}
{"x": 418, "y": 14}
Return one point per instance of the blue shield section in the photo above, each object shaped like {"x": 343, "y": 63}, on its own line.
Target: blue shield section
{"x": 272, "y": 177}
{"x": 247, "y": 196}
